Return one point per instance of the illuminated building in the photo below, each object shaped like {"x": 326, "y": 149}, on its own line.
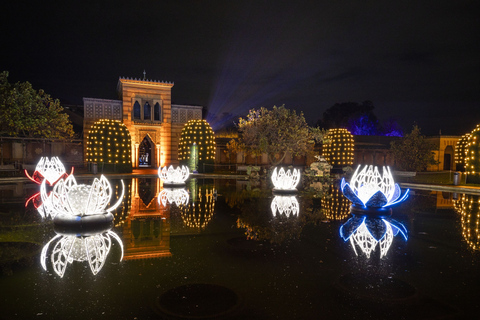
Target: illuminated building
{"x": 154, "y": 123}
{"x": 197, "y": 146}
{"x": 338, "y": 148}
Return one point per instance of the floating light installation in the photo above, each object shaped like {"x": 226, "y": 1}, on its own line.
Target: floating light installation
{"x": 179, "y": 196}
{"x": 372, "y": 195}
{"x": 285, "y": 205}
{"x": 70, "y": 199}
{"x": 174, "y": 176}
{"x": 69, "y": 248}
{"x": 48, "y": 171}
{"x": 285, "y": 180}
{"x": 370, "y": 190}
{"x": 366, "y": 233}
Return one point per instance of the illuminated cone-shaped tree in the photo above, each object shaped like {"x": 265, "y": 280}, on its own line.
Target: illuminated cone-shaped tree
{"x": 197, "y": 146}
{"x": 338, "y": 148}
{"x": 472, "y": 156}
{"x": 109, "y": 146}
{"x": 460, "y": 149}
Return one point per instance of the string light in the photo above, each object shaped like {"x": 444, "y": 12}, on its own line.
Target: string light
{"x": 338, "y": 148}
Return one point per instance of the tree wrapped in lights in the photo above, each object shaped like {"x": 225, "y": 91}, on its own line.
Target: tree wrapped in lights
{"x": 338, "y": 148}
{"x": 460, "y": 149}
{"x": 472, "y": 156}
{"x": 109, "y": 145}
{"x": 196, "y": 149}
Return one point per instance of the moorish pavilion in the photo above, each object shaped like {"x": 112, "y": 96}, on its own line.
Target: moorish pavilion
{"x": 154, "y": 123}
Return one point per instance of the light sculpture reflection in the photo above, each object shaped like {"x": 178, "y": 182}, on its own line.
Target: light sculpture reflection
{"x": 369, "y": 189}
{"x": 372, "y": 195}
{"x": 70, "y": 198}
{"x": 366, "y": 233}
{"x": 171, "y": 175}
{"x": 69, "y": 248}
{"x": 285, "y": 205}
{"x": 285, "y": 180}
{"x": 179, "y": 196}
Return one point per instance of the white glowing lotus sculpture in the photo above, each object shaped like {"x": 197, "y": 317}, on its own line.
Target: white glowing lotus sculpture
{"x": 368, "y": 232}
{"x": 173, "y": 176}
{"x": 48, "y": 170}
{"x": 285, "y": 205}
{"x": 179, "y": 196}
{"x": 93, "y": 249}
{"x": 369, "y": 189}
{"x": 70, "y": 198}
{"x": 285, "y": 180}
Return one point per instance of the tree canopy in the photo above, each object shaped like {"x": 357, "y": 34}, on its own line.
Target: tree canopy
{"x": 359, "y": 119}
{"x": 25, "y": 112}
{"x": 413, "y": 152}
{"x": 276, "y": 132}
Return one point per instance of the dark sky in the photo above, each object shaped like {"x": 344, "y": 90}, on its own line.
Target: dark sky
{"x": 417, "y": 61}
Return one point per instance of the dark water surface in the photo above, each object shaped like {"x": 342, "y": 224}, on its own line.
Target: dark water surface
{"x": 227, "y": 255}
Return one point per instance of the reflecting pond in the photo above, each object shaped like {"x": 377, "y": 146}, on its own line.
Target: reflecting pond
{"x": 230, "y": 249}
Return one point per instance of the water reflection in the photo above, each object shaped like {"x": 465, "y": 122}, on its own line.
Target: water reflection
{"x": 179, "y": 196}
{"x": 365, "y": 233}
{"x": 146, "y": 229}
{"x": 468, "y": 206}
{"x": 335, "y": 205}
{"x": 93, "y": 248}
{"x": 197, "y": 213}
{"x": 285, "y": 205}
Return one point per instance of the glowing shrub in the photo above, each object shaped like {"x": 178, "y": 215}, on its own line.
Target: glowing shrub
{"x": 472, "y": 156}
{"x": 196, "y": 149}
{"x": 460, "y": 149}
{"x": 338, "y": 148}
{"x": 109, "y": 145}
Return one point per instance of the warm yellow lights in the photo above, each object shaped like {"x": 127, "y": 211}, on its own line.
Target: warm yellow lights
{"x": 97, "y": 142}
{"x": 338, "y": 147}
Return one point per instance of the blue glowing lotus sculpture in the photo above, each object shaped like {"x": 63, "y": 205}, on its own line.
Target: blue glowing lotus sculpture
{"x": 366, "y": 233}
{"x": 369, "y": 190}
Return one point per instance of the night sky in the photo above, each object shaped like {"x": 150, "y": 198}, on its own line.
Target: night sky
{"x": 417, "y": 61}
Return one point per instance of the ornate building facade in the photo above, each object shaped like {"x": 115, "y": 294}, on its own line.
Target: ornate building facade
{"x": 145, "y": 107}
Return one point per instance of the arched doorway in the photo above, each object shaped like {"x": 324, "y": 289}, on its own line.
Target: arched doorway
{"x": 146, "y": 152}
{"x": 448, "y": 158}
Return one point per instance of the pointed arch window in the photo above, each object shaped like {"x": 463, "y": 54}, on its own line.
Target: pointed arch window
{"x": 157, "y": 112}
{"x": 147, "y": 111}
{"x": 136, "y": 111}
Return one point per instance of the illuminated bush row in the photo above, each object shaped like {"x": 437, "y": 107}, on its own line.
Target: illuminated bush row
{"x": 338, "y": 147}
{"x": 197, "y": 136}
{"x": 109, "y": 144}
{"x": 467, "y": 155}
